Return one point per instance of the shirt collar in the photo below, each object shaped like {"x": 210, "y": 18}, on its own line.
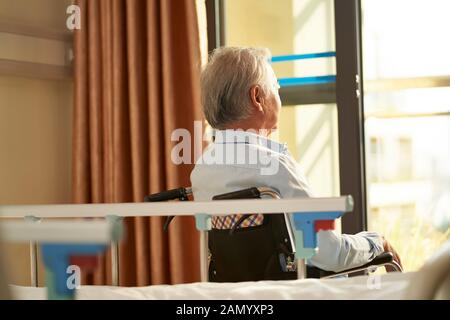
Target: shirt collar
{"x": 231, "y": 136}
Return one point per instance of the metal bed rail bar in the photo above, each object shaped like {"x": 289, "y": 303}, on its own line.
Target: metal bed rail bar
{"x": 184, "y": 208}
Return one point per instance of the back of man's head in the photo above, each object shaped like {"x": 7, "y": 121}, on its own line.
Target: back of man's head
{"x": 226, "y": 82}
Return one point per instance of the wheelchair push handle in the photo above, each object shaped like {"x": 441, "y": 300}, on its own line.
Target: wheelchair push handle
{"x": 179, "y": 193}
{"x": 250, "y": 193}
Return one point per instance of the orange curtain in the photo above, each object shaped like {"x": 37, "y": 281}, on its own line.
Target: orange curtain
{"x": 137, "y": 65}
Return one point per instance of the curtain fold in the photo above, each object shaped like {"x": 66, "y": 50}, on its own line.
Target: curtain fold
{"x": 137, "y": 66}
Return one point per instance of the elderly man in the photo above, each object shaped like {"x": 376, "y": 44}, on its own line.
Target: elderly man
{"x": 242, "y": 104}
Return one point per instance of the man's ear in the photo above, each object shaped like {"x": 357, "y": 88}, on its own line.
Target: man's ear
{"x": 257, "y": 98}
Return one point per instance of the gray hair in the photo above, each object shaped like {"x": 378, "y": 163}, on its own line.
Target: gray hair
{"x": 226, "y": 82}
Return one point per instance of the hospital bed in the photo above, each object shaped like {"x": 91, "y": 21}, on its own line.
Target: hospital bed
{"x": 297, "y": 289}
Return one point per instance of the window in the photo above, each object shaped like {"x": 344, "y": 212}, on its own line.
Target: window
{"x": 309, "y": 116}
{"x": 407, "y": 124}
{"x": 406, "y": 120}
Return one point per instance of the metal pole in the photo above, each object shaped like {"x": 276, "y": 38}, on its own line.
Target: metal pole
{"x": 301, "y": 269}
{"x": 33, "y": 254}
{"x": 204, "y": 256}
{"x": 115, "y": 250}
{"x": 115, "y": 263}
{"x": 33, "y": 264}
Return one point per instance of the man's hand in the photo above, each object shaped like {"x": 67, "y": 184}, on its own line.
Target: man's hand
{"x": 388, "y": 248}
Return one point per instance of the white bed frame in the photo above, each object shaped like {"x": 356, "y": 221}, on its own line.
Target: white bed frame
{"x": 35, "y": 213}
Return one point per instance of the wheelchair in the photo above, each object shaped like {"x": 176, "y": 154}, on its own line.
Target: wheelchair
{"x": 239, "y": 253}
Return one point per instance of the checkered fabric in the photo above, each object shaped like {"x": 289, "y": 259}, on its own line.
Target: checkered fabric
{"x": 227, "y": 222}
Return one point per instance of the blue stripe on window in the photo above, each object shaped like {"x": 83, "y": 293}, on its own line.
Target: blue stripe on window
{"x": 286, "y": 82}
{"x": 292, "y": 57}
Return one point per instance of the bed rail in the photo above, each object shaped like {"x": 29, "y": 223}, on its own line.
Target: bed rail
{"x": 188, "y": 208}
{"x": 306, "y": 211}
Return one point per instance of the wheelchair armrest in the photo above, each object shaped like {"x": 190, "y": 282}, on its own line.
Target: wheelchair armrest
{"x": 383, "y": 258}
{"x": 380, "y": 260}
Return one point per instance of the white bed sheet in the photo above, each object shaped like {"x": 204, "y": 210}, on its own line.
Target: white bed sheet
{"x": 432, "y": 281}
{"x": 390, "y": 286}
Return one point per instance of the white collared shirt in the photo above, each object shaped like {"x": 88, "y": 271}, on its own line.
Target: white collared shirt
{"x": 237, "y": 160}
